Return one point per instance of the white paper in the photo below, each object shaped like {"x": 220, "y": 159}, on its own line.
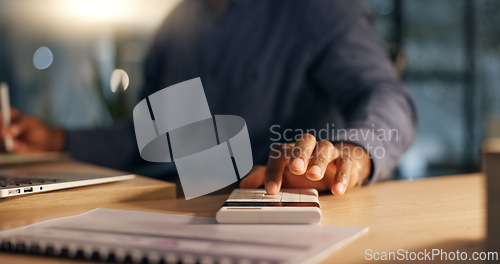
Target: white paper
{"x": 155, "y": 236}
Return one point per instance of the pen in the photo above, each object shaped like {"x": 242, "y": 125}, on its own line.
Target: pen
{"x": 5, "y": 101}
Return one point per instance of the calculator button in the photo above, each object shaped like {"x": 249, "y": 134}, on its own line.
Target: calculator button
{"x": 308, "y": 198}
{"x": 254, "y": 196}
{"x": 290, "y": 197}
{"x": 295, "y": 191}
{"x": 287, "y": 194}
{"x": 251, "y": 191}
{"x": 235, "y": 200}
{"x": 313, "y": 192}
{"x": 236, "y": 196}
{"x": 271, "y": 198}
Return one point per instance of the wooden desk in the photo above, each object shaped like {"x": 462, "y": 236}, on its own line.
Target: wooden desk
{"x": 446, "y": 212}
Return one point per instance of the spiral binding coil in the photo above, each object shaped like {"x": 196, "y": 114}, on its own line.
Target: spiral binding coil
{"x": 87, "y": 252}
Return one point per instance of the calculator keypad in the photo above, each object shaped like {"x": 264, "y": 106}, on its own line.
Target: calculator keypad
{"x": 286, "y": 195}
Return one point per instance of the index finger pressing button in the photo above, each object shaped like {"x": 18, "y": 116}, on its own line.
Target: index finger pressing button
{"x": 301, "y": 154}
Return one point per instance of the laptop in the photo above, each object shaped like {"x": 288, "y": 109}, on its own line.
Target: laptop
{"x": 21, "y": 180}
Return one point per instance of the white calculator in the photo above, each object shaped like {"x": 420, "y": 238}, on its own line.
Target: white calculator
{"x": 254, "y": 206}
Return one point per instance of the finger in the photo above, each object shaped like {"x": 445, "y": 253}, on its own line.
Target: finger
{"x": 278, "y": 159}
{"x": 301, "y": 154}
{"x": 5, "y": 131}
{"x": 14, "y": 116}
{"x": 355, "y": 176}
{"x": 255, "y": 178}
{"x": 23, "y": 124}
{"x": 343, "y": 175}
{"x": 21, "y": 147}
{"x": 324, "y": 153}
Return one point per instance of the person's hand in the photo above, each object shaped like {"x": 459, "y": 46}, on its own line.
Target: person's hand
{"x": 31, "y": 135}
{"x": 311, "y": 164}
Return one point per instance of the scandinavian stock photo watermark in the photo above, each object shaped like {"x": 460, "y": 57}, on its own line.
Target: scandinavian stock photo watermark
{"x": 373, "y": 139}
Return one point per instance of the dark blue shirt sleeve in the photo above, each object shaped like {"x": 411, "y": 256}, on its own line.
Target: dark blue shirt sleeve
{"x": 113, "y": 147}
{"x": 356, "y": 74}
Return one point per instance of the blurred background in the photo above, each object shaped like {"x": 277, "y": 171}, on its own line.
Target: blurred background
{"x": 58, "y": 57}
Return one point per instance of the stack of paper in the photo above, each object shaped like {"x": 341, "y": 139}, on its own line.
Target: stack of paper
{"x": 117, "y": 235}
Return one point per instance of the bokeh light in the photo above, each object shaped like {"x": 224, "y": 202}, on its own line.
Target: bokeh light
{"x": 119, "y": 79}
{"x": 99, "y": 10}
{"x": 43, "y": 58}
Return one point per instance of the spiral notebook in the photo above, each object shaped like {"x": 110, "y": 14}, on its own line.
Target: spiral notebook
{"x": 139, "y": 237}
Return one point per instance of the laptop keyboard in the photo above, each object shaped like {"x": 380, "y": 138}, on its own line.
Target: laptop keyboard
{"x": 21, "y": 182}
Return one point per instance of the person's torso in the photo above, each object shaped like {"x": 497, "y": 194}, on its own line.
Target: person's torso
{"x": 253, "y": 58}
